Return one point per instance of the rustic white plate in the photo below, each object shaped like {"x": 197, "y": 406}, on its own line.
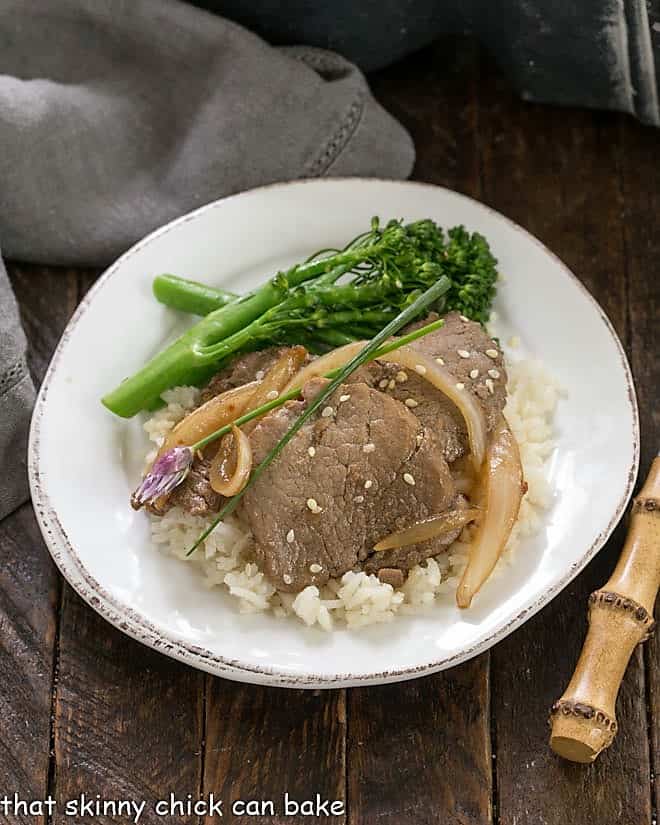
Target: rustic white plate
{"x": 81, "y": 471}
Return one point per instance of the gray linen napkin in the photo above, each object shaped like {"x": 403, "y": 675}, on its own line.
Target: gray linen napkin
{"x": 16, "y": 399}
{"x": 116, "y": 117}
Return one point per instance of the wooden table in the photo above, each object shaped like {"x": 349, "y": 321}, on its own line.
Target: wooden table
{"x": 85, "y": 709}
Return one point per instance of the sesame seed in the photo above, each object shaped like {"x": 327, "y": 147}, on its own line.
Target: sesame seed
{"x": 290, "y": 536}
{"x": 410, "y": 402}
{"x": 368, "y": 483}
{"x": 491, "y": 353}
{"x": 343, "y": 398}
{"x": 463, "y": 318}
{"x": 419, "y": 438}
{"x": 311, "y": 452}
{"x": 398, "y": 283}
{"x": 409, "y": 479}
{"x": 287, "y": 578}
{"x": 383, "y": 383}
{"x": 315, "y": 568}
{"x": 463, "y": 353}
{"x": 391, "y": 384}
{"x": 327, "y": 412}
{"x": 259, "y": 375}
{"x": 494, "y": 373}
{"x": 440, "y": 361}
{"x": 460, "y": 386}
{"x": 312, "y": 504}
{"x": 358, "y": 499}
{"x": 474, "y": 373}
{"x": 401, "y": 376}
{"x": 272, "y": 395}
{"x": 420, "y": 369}
{"x": 489, "y": 384}
{"x": 368, "y": 448}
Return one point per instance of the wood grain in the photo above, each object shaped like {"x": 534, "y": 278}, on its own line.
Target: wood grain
{"x": 420, "y": 752}
{"x": 264, "y": 742}
{"x": 29, "y": 585}
{"x": 641, "y": 190}
{"x": 435, "y": 95}
{"x": 28, "y": 599}
{"x": 46, "y": 299}
{"x": 557, "y": 174}
{"x": 128, "y": 721}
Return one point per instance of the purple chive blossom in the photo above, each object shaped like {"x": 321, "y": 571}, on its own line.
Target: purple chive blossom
{"x": 167, "y": 473}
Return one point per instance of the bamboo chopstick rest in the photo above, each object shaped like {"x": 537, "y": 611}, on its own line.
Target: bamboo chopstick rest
{"x": 583, "y": 721}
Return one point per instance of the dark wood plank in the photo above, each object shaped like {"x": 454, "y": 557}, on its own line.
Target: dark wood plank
{"x": 264, "y": 742}
{"x": 530, "y": 670}
{"x": 434, "y": 94}
{"x": 556, "y": 172}
{"x": 641, "y": 190}
{"x": 29, "y": 585}
{"x": 46, "y": 298}
{"x": 28, "y": 600}
{"x": 128, "y": 721}
{"x": 420, "y": 752}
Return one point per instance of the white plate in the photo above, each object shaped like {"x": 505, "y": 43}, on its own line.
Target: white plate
{"x": 81, "y": 473}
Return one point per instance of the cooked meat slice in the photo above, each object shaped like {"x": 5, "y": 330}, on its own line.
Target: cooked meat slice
{"x": 244, "y": 368}
{"x": 471, "y": 356}
{"x": 391, "y": 575}
{"x": 195, "y": 494}
{"x": 313, "y": 387}
{"x": 358, "y": 471}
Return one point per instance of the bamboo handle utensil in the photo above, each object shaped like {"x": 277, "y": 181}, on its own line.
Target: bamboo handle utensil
{"x": 583, "y": 721}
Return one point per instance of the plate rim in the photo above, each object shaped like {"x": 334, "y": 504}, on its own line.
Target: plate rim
{"x": 137, "y": 626}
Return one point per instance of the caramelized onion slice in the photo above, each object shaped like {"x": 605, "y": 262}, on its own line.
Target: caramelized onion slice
{"x": 332, "y": 360}
{"x": 428, "y": 368}
{"x": 230, "y": 469}
{"x": 277, "y": 377}
{"x": 428, "y": 529}
{"x": 461, "y": 397}
{"x": 221, "y": 410}
{"x": 224, "y": 408}
{"x": 502, "y": 489}
{"x": 215, "y": 413}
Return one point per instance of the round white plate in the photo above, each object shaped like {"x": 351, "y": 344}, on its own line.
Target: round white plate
{"x": 82, "y": 470}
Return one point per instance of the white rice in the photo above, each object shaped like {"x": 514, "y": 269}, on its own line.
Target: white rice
{"x": 359, "y": 599}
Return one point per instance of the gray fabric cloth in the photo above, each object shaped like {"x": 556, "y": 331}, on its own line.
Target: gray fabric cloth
{"x": 16, "y": 399}
{"x": 116, "y": 117}
{"x": 599, "y": 53}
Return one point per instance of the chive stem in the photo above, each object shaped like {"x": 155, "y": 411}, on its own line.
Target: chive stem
{"x": 295, "y": 393}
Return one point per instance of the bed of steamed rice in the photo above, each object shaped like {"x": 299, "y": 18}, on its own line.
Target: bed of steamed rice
{"x": 358, "y": 599}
